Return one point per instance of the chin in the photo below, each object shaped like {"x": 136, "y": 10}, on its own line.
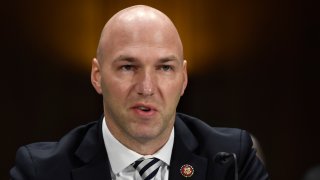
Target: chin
{"x": 146, "y": 134}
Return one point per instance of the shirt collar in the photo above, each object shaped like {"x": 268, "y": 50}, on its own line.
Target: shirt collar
{"x": 121, "y": 157}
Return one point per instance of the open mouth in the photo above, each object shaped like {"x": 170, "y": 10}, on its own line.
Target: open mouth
{"x": 143, "y": 108}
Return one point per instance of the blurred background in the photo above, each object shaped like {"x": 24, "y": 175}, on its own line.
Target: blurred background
{"x": 252, "y": 65}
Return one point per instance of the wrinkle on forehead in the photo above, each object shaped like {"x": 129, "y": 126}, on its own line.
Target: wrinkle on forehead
{"x": 138, "y": 21}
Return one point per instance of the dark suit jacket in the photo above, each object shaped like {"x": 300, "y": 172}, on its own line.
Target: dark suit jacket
{"x": 81, "y": 154}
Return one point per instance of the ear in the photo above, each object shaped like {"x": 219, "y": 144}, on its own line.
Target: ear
{"x": 96, "y": 75}
{"x": 185, "y": 77}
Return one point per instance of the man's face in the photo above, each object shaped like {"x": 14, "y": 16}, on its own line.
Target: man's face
{"x": 142, "y": 76}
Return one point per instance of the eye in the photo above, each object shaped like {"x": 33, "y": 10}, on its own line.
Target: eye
{"x": 127, "y": 67}
{"x": 166, "y": 67}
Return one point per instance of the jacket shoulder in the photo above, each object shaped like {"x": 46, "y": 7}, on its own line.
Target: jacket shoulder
{"x": 71, "y": 140}
{"x": 34, "y": 159}
{"x": 209, "y": 141}
{"x": 212, "y": 140}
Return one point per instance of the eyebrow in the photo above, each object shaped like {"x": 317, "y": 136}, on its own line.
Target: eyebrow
{"x": 125, "y": 58}
{"x": 168, "y": 59}
{"x": 133, "y": 59}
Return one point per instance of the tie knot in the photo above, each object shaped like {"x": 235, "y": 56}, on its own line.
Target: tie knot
{"x": 147, "y": 168}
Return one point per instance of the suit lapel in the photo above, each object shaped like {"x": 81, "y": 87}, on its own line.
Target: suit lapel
{"x": 182, "y": 154}
{"x": 93, "y": 155}
{"x": 98, "y": 170}
{"x": 95, "y": 164}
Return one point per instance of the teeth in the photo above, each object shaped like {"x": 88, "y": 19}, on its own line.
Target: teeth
{"x": 143, "y": 108}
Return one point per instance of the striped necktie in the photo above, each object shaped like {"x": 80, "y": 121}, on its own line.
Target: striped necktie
{"x": 147, "y": 168}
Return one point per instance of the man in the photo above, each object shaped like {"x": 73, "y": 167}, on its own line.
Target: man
{"x": 141, "y": 74}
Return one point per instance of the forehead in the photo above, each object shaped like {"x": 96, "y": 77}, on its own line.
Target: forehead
{"x": 133, "y": 59}
{"x": 143, "y": 56}
{"x": 136, "y": 43}
{"x": 130, "y": 36}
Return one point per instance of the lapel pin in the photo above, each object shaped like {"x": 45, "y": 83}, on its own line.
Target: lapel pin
{"x": 186, "y": 170}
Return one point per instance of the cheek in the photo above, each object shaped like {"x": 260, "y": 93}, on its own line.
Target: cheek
{"x": 115, "y": 88}
{"x": 173, "y": 89}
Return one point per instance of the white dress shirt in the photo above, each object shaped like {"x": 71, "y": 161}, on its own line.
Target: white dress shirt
{"x": 121, "y": 158}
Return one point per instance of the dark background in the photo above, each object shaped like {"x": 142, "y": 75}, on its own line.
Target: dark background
{"x": 252, "y": 65}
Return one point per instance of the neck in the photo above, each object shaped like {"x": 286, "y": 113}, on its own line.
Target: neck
{"x": 143, "y": 146}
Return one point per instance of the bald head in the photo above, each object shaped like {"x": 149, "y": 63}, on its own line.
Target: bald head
{"x": 138, "y": 24}
{"x": 140, "y": 64}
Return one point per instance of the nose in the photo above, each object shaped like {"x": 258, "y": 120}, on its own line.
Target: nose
{"x": 145, "y": 83}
